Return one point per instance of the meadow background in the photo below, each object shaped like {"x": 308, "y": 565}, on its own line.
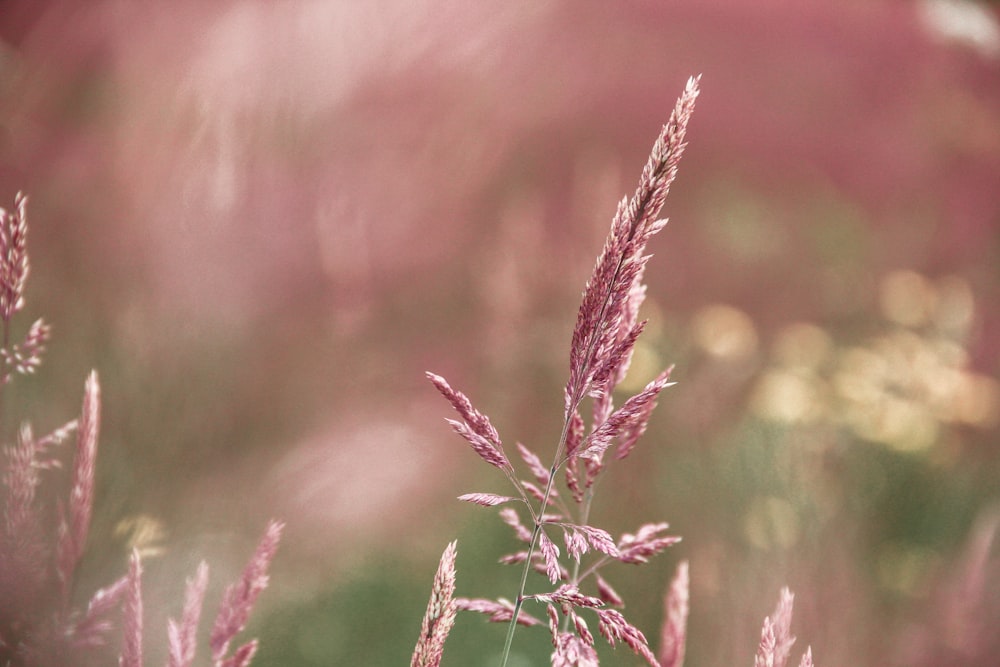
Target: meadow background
{"x": 262, "y": 222}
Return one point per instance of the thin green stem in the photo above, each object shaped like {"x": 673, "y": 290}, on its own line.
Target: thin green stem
{"x": 534, "y": 543}
{"x": 520, "y": 597}
{"x": 594, "y": 567}
{"x": 575, "y": 396}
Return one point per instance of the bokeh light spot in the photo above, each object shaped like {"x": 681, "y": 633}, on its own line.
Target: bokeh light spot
{"x": 646, "y": 365}
{"x": 861, "y": 375}
{"x": 907, "y": 298}
{"x": 898, "y": 423}
{"x": 142, "y": 532}
{"x": 789, "y": 397}
{"x": 724, "y": 331}
{"x": 955, "y": 306}
{"x": 964, "y": 23}
{"x": 977, "y": 401}
{"x": 802, "y": 345}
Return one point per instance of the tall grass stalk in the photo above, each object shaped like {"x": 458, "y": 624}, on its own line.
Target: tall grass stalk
{"x": 604, "y": 336}
{"x": 603, "y": 339}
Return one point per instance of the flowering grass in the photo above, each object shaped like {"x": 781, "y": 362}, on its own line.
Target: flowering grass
{"x": 39, "y": 627}
{"x": 603, "y": 340}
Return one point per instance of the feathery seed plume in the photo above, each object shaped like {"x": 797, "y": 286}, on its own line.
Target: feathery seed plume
{"x": 73, "y": 531}
{"x": 673, "y": 637}
{"x": 182, "y": 635}
{"x": 440, "y": 615}
{"x": 603, "y": 318}
{"x": 131, "y": 655}
{"x": 13, "y": 257}
{"x": 239, "y": 598}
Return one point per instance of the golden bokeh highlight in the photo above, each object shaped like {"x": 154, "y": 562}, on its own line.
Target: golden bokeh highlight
{"x": 977, "y": 401}
{"x": 899, "y": 388}
{"x": 802, "y": 345}
{"x": 906, "y": 298}
{"x": 646, "y": 364}
{"x": 725, "y": 332}
{"x": 790, "y": 396}
{"x": 954, "y": 306}
{"x": 144, "y": 533}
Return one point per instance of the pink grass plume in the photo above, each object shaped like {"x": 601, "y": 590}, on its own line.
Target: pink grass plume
{"x": 776, "y": 638}
{"x": 13, "y": 257}
{"x": 573, "y": 651}
{"x": 39, "y": 563}
{"x": 476, "y": 427}
{"x": 239, "y": 598}
{"x": 182, "y": 635}
{"x": 646, "y": 542}
{"x": 131, "y": 655}
{"x": 603, "y": 320}
{"x": 26, "y": 357}
{"x": 485, "y": 499}
{"x": 73, "y": 530}
{"x": 782, "y": 623}
{"x": 629, "y": 420}
{"x": 242, "y": 656}
{"x": 765, "y": 649}
{"x": 440, "y": 615}
{"x": 91, "y": 629}
{"x": 24, "y": 540}
{"x": 568, "y": 596}
{"x": 673, "y": 636}
{"x": 604, "y": 337}
{"x": 613, "y": 627}
{"x": 550, "y": 554}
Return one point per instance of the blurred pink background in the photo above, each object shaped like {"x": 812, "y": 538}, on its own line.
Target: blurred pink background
{"x": 261, "y": 222}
